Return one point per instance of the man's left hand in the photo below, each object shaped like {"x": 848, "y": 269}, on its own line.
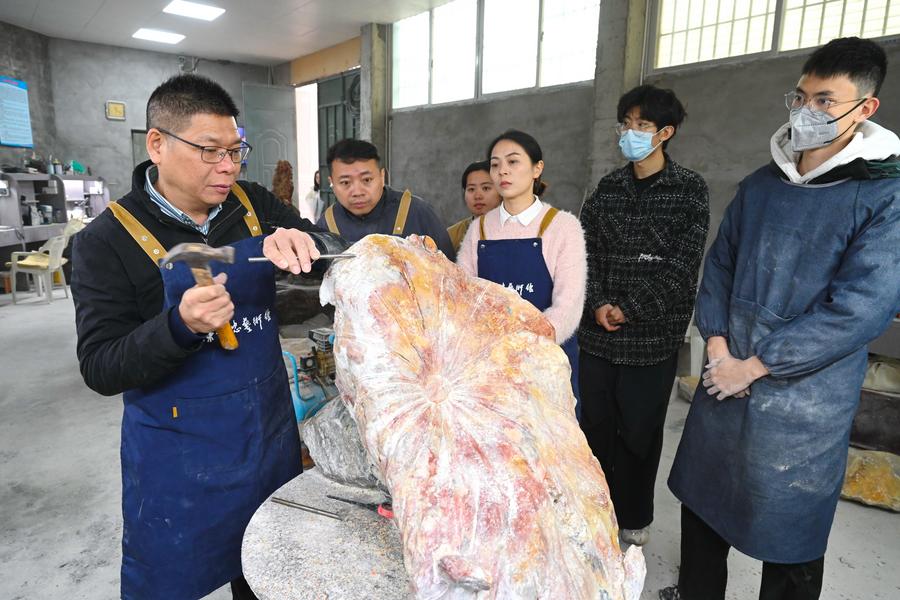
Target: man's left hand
{"x": 730, "y": 376}
{"x": 291, "y": 249}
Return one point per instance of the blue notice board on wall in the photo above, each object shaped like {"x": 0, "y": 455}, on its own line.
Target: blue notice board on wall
{"x": 15, "y": 120}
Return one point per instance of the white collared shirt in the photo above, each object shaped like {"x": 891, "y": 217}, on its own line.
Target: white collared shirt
{"x": 525, "y": 217}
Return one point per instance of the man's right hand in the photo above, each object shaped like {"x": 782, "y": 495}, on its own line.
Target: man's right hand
{"x": 608, "y": 317}
{"x": 717, "y": 348}
{"x": 204, "y": 309}
{"x": 716, "y": 351}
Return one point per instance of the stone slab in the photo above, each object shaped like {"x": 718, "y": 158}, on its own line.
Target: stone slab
{"x": 291, "y": 554}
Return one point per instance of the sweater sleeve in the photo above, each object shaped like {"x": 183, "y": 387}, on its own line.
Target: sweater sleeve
{"x": 568, "y": 269}
{"x": 467, "y": 258}
{"x": 654, "y": 296}
{"x": 863, "y": 297}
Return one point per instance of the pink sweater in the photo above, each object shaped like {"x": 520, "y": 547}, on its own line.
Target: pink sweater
{"x": 564, "y": 254}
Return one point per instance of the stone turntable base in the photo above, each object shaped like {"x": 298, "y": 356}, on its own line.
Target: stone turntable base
{"x": 289, "y": 553}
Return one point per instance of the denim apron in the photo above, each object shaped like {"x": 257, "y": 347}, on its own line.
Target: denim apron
{"x": 204, "y": 448}
{"x": 519, "y": 265}
{"x": 802, "y": 276}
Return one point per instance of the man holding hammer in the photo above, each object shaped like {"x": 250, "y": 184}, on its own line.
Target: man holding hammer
{"x": 208, "y": 430}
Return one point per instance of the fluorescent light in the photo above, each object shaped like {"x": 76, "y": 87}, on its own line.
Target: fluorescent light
{"x": 193, "y": 10}
{"x": 155, "y": 35}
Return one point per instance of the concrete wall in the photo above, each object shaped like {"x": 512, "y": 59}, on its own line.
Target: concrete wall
{"x": 23, "y": 55}
{"x": 431, "y": 146}
{"x": 733, "y": 110}
{"x": 374, "y": 84}
{"x": 85, "y": 76}
{"x": 327, "y": 62}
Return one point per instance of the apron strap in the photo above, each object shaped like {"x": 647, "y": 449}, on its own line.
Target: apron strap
{"x": 402, "y": 212}
{"x": 250, "y": 216}
{"x": 545, "y": 223}
{"x": 148, "y": 242}
{"x": 329, "y": 219}
{"x": 399, "y": 222}
{"x": 141, "y": 234}
{"x": 481, "y": 226}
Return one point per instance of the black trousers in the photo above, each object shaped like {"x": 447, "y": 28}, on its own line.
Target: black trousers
{"x": 623, "y": 415}
{"x": 240, "y": 590}
{"x": 704, "y": 568}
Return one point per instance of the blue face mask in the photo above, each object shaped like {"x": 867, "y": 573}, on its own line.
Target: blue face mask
{"x": 637, "y": 145}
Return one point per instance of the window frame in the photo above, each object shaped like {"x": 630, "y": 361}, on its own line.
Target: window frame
{"x": 478, "y": 94}
{"x": 654, "y": 8}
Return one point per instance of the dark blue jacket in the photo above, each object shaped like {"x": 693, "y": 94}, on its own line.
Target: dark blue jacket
{"x": 421, "y": 221}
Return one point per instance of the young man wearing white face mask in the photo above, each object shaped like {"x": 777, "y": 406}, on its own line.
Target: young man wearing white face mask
{"x": 803, "y": 274}
{"x": 645, "y": 229}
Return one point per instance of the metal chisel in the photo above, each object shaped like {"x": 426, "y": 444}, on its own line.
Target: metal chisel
{"x": 309, "y": 509}
{"x": 331, "y": 256}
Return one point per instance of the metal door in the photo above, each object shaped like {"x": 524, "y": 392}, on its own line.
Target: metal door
{"x": 270, "y": 126}
{"x": 139, "y": 146}
{"x": 338, "y": 119}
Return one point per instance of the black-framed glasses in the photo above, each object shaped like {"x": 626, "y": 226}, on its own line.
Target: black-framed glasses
{"x": 215, "y": 154}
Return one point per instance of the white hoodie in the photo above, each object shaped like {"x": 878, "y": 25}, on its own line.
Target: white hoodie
{"x": 870, "y": 142}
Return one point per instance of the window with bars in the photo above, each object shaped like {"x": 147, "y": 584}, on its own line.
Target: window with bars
{"x": 814, "y": 22}
{"x": 691, "y": 31}
{"x": 467, "y": 48}
{"x": 408, "y": 61}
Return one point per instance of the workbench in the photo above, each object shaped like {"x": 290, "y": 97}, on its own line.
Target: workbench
{"x": 290, "y": 554}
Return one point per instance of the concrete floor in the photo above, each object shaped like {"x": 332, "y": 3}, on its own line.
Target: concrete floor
{"x": 60, "y": 519}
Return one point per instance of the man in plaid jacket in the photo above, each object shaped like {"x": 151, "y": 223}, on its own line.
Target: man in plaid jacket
{"x": 645, "y": 228}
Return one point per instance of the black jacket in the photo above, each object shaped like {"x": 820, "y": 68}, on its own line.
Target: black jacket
{"x": 421, "y": 220}
{"x": 644, "y": 253}
{"x": 124, "y": 337}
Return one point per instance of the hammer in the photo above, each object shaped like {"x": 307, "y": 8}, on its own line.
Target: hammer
{"x": 197, "y": 257}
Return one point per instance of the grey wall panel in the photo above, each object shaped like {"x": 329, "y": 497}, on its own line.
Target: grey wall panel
{"x": 23, "y": 55}
{"x": 430, "y": 147}
{"x": 85, "y": 76}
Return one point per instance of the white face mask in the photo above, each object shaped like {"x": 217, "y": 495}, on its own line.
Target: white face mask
{"x": 812, "y": 129}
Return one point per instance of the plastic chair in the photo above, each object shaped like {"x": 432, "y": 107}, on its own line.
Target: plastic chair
{"x": 41, "y": 265}
{"x": 72, "y": 227}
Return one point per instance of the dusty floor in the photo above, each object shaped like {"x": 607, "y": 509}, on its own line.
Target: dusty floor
{"x": 60, "y": 522}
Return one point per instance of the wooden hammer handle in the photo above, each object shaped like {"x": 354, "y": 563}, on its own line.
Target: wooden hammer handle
{"x": 227, "y": 339}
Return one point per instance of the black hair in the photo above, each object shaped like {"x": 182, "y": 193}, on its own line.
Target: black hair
{"x": 316, "y": 184}
{"x": 531, "y": 147}
{"x": 481, "y": 165}
{"x": 349, "y": 151}
{"x": 862, "y": 61}
{"x": 657, "y": 105}
{"x": 175, "y": 101}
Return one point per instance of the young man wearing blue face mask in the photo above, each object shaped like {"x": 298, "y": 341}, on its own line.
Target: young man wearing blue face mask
{"x": 803, "y": 274}
{"x": 645, "y": 229}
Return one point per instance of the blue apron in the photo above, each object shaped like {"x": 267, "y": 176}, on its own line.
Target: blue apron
{"x": 765, "y": 471}
{"x": 203, "y": 449}
{"x": 519, "y": 265}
